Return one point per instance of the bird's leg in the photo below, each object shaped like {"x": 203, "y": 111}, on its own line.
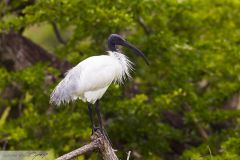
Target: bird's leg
{"x": 90, "y": 112}
{"x": 99, "y": 116}
{"x": 103, "y": 131}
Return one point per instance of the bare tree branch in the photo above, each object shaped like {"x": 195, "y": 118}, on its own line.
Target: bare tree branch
{"x": 98, "y": 142}
{"x": 18, "y": 52}
{"x": 202, "y": 131}
{"x": 84, "y": 149}
{"x": 129, "y": 154}
{"x": 141, "y": 22}
{"x": 57, "y": 33}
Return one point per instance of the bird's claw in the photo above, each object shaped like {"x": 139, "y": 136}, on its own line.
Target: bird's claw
{"x": 94, "y": 129}
{"x": 103, "y": 132}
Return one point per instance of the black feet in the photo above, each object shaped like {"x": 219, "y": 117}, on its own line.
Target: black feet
{"x": 94, "y": 129}
{"x": 104, "y": 133}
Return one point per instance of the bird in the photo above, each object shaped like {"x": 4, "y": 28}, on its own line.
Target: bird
{"x": 90, "y": 79}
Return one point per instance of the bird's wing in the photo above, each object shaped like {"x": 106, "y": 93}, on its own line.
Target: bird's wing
{"x": 91, "y": 74}
{"x": 98, "y": 72}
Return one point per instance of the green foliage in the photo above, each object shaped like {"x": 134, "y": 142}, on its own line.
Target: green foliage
{"x": 4, "y": 116}
{"x": 193, "y": 48}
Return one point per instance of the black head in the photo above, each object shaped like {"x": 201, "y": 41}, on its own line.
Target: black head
{"x": 115, "y": 39}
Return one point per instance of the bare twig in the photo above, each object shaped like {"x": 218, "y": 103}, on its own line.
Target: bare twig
{"x": 84, "y": 149}
{"x": 129, "y": 154}
{"x": 98, "y": 141}
{"x": 202, "y": 131}
{"x": 141, "y": 22}
{"x": 57, "y": 33}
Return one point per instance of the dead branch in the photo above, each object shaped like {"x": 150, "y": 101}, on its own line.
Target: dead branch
{"x": 128, "y": 155}
{"x": 98, "y": 142}
{"x": 141, "y": 22}
{"x": 57, "y": 33}
{"x": 202, "y": 131}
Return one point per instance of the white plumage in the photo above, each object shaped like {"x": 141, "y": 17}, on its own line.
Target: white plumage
{"x": 90, "y": 79}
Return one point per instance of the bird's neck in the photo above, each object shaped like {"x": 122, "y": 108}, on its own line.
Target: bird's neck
{"x": 117, "y": 55}
{"x": 126, "y": 65}
{"x": 112, "y": 47}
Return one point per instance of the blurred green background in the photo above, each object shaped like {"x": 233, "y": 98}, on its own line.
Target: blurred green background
{"x": 185, "y": 106}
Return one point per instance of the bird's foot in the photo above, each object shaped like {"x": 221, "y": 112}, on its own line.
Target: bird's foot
{"x": 103, "y": 132}
{"x": 94, "y": 129}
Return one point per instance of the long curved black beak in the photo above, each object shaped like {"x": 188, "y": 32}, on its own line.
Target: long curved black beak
{"x": 135, "y": 50}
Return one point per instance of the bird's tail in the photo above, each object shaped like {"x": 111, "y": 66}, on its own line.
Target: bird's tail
{"x": 62, "y": 93}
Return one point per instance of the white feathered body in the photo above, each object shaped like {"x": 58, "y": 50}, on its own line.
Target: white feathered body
{"x": 90, "y": 79}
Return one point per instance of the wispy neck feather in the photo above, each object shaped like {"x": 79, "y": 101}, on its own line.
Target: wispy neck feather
{"x": 125, "y": 63}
